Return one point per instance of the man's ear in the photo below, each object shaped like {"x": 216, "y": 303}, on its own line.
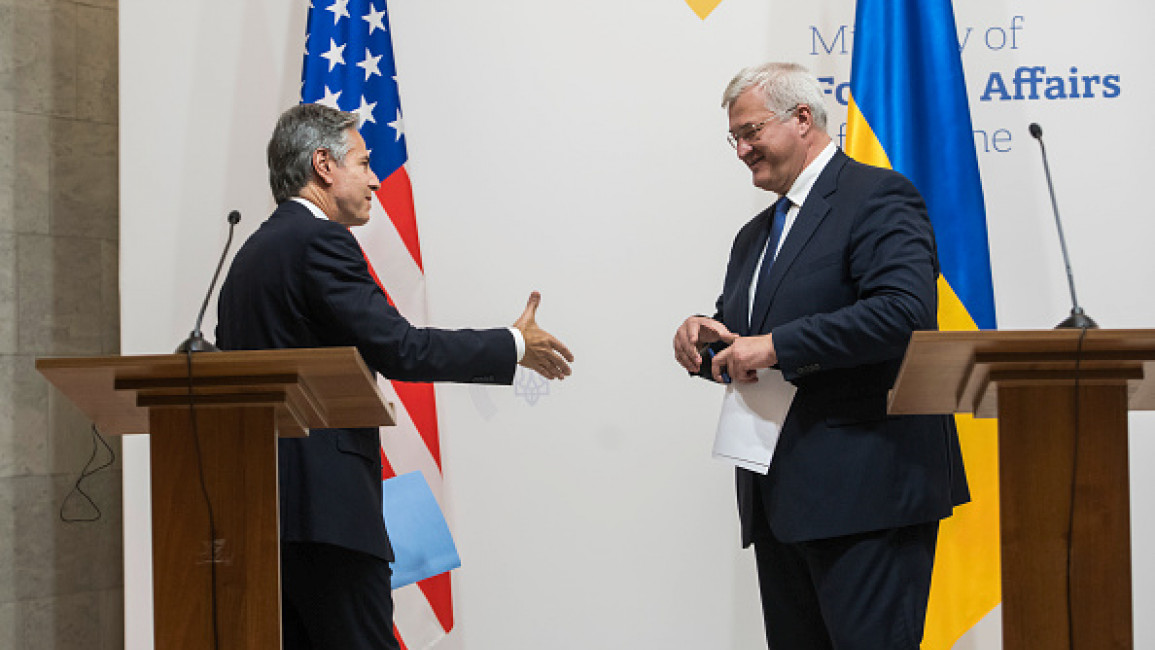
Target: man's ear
{"x": 323, "y": 164}
{"x": 805, "y": 117}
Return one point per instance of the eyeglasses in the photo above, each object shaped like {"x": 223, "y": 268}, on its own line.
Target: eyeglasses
{"x": 748, "y": 132}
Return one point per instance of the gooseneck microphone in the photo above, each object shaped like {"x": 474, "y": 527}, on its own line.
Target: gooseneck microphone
{"x": 1078, "y": 319}
{"x": 196, "y": 341}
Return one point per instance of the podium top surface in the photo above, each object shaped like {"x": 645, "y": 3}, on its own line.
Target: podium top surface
{"x": 310, "y": 387}
{"x": 957, "y": 372}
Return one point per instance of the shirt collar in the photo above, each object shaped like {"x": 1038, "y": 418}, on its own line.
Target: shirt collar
{"x": 805, "y": 181}
{"x": 313, "y": 207}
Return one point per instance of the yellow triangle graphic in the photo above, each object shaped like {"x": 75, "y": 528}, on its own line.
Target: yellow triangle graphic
{"x": 703, "y": 7}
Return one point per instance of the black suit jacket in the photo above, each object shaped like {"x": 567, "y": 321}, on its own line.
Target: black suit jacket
{"x": 302, "y": 282}
{"x": 854, "y": 277}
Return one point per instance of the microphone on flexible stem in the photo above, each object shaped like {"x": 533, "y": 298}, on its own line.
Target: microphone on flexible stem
{"x": 1078, "y": 319}
{"x": 196, "y": 341}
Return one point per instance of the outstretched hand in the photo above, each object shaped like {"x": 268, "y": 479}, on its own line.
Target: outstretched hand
{"x": 544, "y": 353}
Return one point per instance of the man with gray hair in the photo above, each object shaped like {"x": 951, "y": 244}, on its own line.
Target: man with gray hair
{"x": 826, "y": 287}
{"x": 302, "y": 281}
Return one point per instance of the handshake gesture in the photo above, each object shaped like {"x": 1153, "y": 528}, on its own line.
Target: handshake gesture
{"x": 544, "y": 353}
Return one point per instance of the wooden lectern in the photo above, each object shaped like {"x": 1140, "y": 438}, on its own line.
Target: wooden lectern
{"x": 239, "y": 402}
{"x": 1028, "y": 378}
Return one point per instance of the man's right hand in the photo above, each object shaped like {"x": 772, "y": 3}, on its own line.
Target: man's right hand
{"x": 543, "y": 352}
{"x": 695, "y": 332}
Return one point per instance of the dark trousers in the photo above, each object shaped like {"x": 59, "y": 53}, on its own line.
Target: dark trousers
{"x": 333, "y": 597}
{"x": 859, "y": 592}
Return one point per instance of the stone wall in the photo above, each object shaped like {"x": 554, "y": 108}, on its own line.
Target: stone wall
{"x": 61, "y": 584}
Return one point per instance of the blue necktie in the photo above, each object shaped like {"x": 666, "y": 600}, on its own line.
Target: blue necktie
{"x": 777, "y": 224}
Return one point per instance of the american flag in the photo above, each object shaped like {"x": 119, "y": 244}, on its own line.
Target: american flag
{"x": 349, "y": 66}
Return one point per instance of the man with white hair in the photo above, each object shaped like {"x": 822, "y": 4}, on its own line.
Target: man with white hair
{"x": 826, "y": 286}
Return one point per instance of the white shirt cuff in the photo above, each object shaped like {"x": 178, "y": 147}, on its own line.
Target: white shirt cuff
{"x": 519, "y": 341}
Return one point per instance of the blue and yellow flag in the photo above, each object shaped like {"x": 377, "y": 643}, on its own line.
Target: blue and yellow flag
{"x": 909, "y": 112}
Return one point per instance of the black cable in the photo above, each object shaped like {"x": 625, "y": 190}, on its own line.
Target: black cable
{"x": 97, "y": 441}
{"x": 208, "y": 503}
{"x": 1071, "y": 509}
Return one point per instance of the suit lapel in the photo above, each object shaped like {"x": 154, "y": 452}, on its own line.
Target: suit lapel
{"x": 810, "y": 215}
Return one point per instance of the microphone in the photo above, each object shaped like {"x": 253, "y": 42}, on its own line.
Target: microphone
{"x": 196, "y": 341}
{"x": 1078, "y": 319}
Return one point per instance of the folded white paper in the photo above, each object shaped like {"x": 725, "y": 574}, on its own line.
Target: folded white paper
{"x": 752, "y": 415}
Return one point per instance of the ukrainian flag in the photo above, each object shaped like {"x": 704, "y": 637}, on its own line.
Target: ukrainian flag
{"x": 908, "y": 111}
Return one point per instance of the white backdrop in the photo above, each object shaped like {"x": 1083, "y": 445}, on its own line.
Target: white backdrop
{"x": 578, "y": 148}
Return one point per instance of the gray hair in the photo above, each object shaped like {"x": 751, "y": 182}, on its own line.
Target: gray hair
{"x": 300, "y": 131}
{"x": 785, "y": 87}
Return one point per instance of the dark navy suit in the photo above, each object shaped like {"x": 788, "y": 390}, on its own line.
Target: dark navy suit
{"x": 302, "y": 282}
{"x": 854, "y": 277}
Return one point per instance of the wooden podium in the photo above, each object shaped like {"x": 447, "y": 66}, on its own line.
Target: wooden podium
{"x": 1028, "y": 379}
{"x": 223, "y": 422}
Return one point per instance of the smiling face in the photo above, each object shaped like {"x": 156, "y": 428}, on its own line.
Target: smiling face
{"x": 777, "y": 152}
{"x": 352, "y": 184}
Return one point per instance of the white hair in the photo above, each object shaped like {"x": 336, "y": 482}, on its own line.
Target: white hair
{"x": 785, "y": 86}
